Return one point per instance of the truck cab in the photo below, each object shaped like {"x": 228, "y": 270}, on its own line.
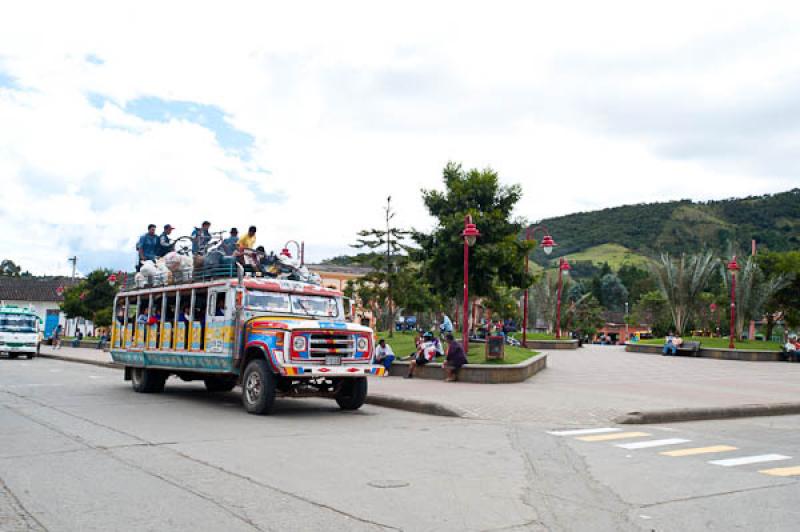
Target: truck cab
{"x": 20, "y": 332}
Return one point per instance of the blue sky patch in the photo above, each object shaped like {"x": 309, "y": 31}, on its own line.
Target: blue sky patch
{"x": 96, "y": 100}
{"x": 93, "y": 59}
{"x": 7, "y": 81}
{"x": 208, "y": 116}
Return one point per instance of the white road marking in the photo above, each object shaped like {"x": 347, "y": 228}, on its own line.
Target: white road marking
{"x": 744, "y": 460}
{"x": 652, "y": 443}
{"x": 579, "y": 432}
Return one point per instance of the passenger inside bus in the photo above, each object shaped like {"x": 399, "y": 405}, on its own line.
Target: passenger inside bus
{"x": 220, "y": 305}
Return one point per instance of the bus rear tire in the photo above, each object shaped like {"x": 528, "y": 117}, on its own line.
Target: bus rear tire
{"x": 258, "y": 388}
{"x": 220, "y": 384}
{"x": 352, "y": 394}
{"x": 148, "y": 380}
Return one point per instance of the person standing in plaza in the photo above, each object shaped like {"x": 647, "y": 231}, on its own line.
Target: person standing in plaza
{"x": 57, "y": 337}
{"x": 384, "y": 355}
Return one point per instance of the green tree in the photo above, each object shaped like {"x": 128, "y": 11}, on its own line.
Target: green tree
{"x": 680, "y": 281}
{"x": 92, "y": 298}
{"x": 585, "y": 316}
{"x": 636, "y": 280}
{"x": 497, "y": 259}
{"x": 389, "y": 242}
{"x": 784, "y": 304}
{"x": 753, "y": 291}
{"x": 613, "y": 292}
{"x": 503, "y": 303}
{"x": 9, "y": 268}
{"x": 652, "y": 309}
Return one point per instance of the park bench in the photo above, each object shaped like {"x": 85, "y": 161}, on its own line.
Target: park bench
{"x": 689, "y": 348}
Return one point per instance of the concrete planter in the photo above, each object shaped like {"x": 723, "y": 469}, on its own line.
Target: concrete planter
{"x": 716, "y": 352}
{"x": 552, "y": 344}
{"x": 478, "y": 373}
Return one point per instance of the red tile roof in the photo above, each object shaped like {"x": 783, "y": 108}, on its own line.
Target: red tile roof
{"x": 33, "y": 288}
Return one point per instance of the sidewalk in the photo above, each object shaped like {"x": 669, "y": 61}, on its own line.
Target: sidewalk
{"x": 591, "y": 385}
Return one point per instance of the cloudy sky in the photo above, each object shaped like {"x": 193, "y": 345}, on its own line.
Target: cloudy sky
{"x": 301, "y": 117}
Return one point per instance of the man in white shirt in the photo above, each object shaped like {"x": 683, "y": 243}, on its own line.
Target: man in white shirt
{"x": 384, "y": 355}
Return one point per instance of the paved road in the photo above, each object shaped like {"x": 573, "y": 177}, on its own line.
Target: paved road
{"x": 595, "y": 384}
{"x": 80, "y": 451}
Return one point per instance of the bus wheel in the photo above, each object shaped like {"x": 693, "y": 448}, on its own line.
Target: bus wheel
{"x": 31, "y": 355}
{"x": 352, "y": 394}
{"x": 220, "y": 384}
{"x": 148, "y": 380}
{"x": 258, "y": 388}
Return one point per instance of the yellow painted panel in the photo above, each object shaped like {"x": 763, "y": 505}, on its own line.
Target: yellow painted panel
{"x": 614, "y": 436}
{"x": 782, "y": 471}
{"x": 700, "y": 450}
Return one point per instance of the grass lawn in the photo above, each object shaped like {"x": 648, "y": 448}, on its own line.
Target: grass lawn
{"x": 403, "y": 345}
{"x": 536, "y": 336}
{"x": 751, "y": 345}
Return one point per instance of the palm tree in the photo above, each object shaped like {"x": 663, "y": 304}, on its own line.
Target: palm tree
{"x": 681, "y": 280}
{"x": 753, "y": 289}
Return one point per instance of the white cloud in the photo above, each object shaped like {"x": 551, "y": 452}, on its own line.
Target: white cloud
{"x": 587, "y": 106}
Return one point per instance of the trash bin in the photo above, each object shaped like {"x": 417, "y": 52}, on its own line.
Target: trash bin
{"x": 495, "y": 348}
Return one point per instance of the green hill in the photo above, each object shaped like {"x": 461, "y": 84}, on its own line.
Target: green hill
{"x": 644, "y": 230}
{"x": 614, "y": 254}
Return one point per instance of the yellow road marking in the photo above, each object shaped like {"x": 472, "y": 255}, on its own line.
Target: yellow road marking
{"x": 782, "y": 471}
{"x": 700, "y": 450}
{"x": 614, "y": 436}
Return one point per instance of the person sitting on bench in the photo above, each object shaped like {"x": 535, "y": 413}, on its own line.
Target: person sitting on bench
{"x": 671, "y": 344}
{"x": 792, "y": 349}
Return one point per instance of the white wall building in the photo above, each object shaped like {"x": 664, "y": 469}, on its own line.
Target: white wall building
{"x": 42, "y": 294}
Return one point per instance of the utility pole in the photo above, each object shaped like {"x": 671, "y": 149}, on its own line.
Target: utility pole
{"x": 74, "y": 261}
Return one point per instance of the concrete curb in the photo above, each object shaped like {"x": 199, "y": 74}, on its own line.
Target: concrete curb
{"x": 414, "y": 405}
{"x": 388, "y": 401}
{"x": 65, "y": 358}
{"x": 698, "y": 414}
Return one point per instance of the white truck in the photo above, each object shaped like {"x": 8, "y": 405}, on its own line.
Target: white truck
{"x": 20, "y": 331}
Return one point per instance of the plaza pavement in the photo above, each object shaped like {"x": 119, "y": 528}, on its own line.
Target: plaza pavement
{"x": 591, "y": 385}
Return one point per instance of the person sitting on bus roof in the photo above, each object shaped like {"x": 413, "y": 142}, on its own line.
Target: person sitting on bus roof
{"x": 200, "y": 238}
{"x": 165, "y": 244}
{"x": 147, "y": 246}
{"x": 231, "y": 244}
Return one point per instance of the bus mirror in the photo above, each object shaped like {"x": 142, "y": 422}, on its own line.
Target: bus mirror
{"x": 239, "y": 298}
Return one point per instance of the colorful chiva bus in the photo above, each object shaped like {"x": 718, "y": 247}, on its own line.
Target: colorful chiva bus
{"x": 272, "y": 337}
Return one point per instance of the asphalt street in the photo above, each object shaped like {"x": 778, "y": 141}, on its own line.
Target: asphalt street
{"x": 80, "y": 451}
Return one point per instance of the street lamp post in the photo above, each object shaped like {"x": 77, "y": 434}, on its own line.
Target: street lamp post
{"x": 470, "y": 235}
{"x": 547, "y": 246}
{"x": 563, "y": 267}
{"x": 733, "y": 267}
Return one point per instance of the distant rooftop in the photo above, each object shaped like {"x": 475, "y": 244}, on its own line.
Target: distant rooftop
{"x": 331, "y": 268}
{"x": 33, "y": 288}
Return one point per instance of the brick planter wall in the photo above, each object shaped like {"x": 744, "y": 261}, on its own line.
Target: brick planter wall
{"x": 719, "y": 353}
{"x": 479, "y": 373}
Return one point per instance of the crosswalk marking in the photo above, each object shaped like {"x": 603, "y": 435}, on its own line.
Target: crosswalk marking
{"x": 782, "y": 471}
{"x": 700, "y": 450}
{"x": 580, "y": 432}
{"x": 744, "y": 460}
{"x": 652, "y": 443}
{"x": 614, "y": 436}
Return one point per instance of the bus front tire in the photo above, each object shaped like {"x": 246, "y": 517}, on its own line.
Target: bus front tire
{"x": 258, "y": 388}
{"x": 220, "y": 384}
{"x": 148, "y": 380}
{"x": 352, "y": 394}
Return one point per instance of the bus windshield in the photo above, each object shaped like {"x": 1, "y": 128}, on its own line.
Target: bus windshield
{"x": 269, "y": 301}
{"x": 17, "y": 323}
{"x": 315, "y": 305}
